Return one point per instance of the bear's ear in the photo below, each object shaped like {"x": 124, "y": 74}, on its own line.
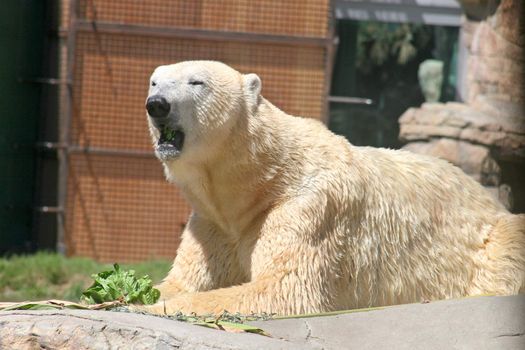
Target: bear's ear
{"x": 252, "y": 86}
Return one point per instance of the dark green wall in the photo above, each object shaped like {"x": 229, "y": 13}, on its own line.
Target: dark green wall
{"x": 22, "y": 36}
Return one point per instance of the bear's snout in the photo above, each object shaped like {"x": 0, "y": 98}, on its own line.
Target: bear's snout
{"x": 157, "y": 106}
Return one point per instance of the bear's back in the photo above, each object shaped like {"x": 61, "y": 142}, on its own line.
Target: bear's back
{"x": 425, "y": 179}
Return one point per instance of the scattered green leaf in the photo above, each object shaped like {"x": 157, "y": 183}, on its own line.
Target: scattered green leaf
{"x": 120, "y": 285}
{"x": 226, "y": 321}
{"x": 56, "y": 305}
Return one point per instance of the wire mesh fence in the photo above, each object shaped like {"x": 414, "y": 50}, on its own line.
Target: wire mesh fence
{"x": 118, "y": 205}
{"x": 291, "y": 17}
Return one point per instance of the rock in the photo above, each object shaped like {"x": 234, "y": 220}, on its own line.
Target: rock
{"x": 495, "y": 51}
{"x": 470, "y": 323}
{"x": 508, "y": 22}
{"x": 495, "y": 76}
{"x": 409, "y": 132}
{"x": 491, "y": 82}
{"x": 465, "y": 155}
{"x": 512, "y": 113}
{"x": 466, "y": 123}
{"x": 79, "y": 329}
{"x": 500, "y": 139}
{"x": 486, "y": 41}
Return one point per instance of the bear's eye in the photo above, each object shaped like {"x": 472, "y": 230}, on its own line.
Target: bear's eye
{"x": 153, "y": 83}
{"x": 196, "y": 82}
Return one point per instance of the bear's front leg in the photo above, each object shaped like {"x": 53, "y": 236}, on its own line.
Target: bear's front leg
{"x": 200, "y": 262}
{"x": 283, "y": 293}
{"x": 295, "y": 269}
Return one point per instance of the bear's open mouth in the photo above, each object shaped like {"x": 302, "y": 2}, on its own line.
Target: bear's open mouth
{"x": 170, "y": 141}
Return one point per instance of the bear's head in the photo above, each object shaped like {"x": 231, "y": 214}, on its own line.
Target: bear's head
{"x": 192, "y": 106}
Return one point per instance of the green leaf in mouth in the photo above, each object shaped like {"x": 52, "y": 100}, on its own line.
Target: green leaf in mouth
{"x": 168, "y": 133}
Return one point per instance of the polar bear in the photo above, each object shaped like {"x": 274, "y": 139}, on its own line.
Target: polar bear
{"x": 289, "y": 218}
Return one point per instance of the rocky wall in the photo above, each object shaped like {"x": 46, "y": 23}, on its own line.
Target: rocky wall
{"x": 484, "y": 134}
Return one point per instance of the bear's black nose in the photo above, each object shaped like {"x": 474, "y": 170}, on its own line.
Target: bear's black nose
{"x": 157, "y": 106}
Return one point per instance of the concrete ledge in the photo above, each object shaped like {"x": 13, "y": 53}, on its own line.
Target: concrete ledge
{"x": 80, "y": 329}
{"x": 472, "y": 323}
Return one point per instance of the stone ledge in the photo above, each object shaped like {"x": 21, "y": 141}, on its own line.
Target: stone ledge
{"x": 464, "y": 123}
{"x": 471, "y": 157}
{"x": 79, "y": 329}
{"x": 471, "y": 323}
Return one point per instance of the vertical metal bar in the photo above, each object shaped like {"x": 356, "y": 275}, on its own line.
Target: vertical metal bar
{"x": 64, "y": 122}
{"x": 331, "y": 47}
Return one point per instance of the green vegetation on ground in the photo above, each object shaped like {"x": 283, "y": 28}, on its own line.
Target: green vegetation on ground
{"x": 121, "y": 285}
{"x": 52, "y": 276}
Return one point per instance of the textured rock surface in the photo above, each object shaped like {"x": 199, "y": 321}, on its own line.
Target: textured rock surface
{"x": 472, "y": 157}
{"x": 115, "y": 330}
{"x": 495, "y": 66}
{"x": 472, "y": 323}
{"x": 462, "y": 122}
{"x": 493, "y": 114}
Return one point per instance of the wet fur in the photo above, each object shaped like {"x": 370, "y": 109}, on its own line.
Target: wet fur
{"x": 290, "y": 218}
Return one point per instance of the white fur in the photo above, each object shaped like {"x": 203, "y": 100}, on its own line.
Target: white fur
{"x": 290, "y": 218}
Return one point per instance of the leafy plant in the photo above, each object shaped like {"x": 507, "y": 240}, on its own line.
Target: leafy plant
{"x": 120, "y": 285}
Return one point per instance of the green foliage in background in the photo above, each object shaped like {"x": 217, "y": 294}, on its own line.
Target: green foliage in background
{"x": 380, "y": 43}
{"x": 53, "y": 276}
{"x": 120, "y": 285}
